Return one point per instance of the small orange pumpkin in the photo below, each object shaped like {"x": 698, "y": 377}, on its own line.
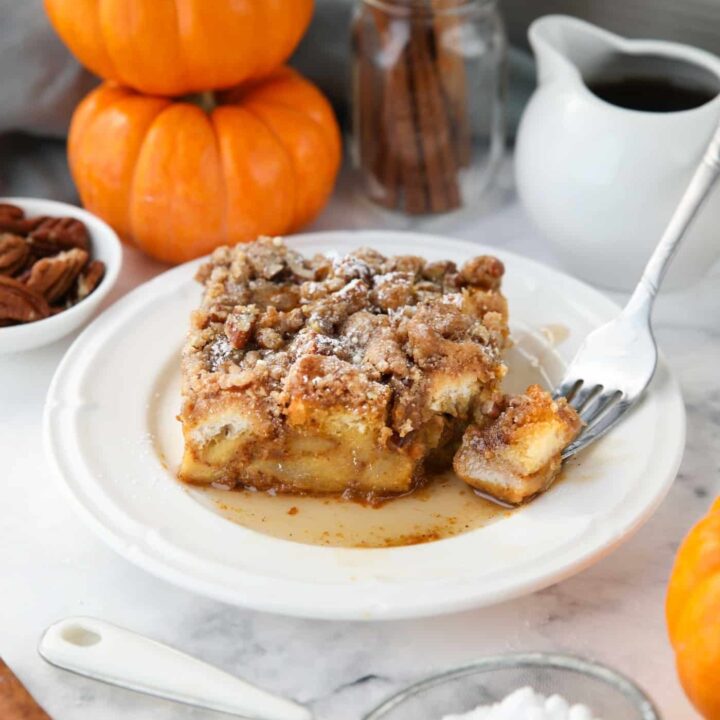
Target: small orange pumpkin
{"x": 693, "y": 613}
{"x": 178, "y": 180}
{"x": 175, "y": 47}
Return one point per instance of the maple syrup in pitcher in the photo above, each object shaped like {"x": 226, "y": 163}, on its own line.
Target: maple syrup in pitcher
{"x": 653, "y": 84}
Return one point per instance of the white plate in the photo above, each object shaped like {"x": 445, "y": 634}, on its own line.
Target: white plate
{"x": 110, "y": 406}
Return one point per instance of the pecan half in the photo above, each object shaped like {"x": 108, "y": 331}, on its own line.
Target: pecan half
{"x": 240, "y": 324}
{"x": 53, "y": 277}
{"x": 89, "y": 279}
{"x": 13, "y": 220}
{"x": 55, "y": 234}
{"x": 14, "y": 252}
{"x": 19, "y": 303}
{"x": 483, "y": 271}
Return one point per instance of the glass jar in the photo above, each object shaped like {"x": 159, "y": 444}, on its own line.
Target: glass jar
{"x": 428, "y": 95}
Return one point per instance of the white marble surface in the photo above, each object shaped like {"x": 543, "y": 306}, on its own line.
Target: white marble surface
{"x": 51, "y": 566}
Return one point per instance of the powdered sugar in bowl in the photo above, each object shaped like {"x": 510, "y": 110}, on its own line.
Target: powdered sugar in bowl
{"x": 475, "y": 688}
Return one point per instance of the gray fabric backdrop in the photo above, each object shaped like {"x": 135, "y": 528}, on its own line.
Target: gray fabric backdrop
{"x": 40, "y": 83}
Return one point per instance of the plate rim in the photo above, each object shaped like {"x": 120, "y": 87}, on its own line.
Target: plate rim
{"x": 417, "y": 608}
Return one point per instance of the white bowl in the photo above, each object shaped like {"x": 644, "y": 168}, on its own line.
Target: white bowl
{"x": 105, "y": 246}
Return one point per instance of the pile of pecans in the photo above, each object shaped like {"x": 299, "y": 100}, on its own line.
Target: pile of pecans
{"x": 45, "y": 265}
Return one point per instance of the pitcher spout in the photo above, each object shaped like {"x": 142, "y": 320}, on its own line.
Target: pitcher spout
{"x": 566, "y": 48}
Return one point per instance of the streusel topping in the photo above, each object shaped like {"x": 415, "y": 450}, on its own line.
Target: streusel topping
{"x": 273, "y": 323}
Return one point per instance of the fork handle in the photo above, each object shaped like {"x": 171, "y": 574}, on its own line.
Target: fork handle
{"x": 697, "y": 191}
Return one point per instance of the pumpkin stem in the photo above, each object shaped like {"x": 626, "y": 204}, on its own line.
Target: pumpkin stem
{"x": 205, "y": 100}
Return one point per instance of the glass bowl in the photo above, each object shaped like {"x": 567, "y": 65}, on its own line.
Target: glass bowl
{"x": 609, "y": 695}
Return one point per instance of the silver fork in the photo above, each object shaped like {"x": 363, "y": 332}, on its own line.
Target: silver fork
{"x": 617, "y": 361}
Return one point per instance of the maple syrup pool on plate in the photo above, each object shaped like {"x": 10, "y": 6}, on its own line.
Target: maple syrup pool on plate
{"x": 445, "y": 507}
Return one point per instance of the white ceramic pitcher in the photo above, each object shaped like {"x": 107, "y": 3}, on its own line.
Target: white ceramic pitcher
{"x": 599, "y": 180}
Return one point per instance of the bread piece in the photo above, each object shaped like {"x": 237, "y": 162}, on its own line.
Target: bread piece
{"x": 517, "y": 455}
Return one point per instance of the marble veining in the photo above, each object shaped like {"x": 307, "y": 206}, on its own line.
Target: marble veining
{"x": 52, "y": 566}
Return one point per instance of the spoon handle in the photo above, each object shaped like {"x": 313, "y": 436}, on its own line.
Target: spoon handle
{"x": 114, "y": 655}
{"x": 697, "y": 191}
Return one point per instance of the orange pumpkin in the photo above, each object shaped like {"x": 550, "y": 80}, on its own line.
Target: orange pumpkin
{"x": 178, "y": 180}
{"x": 174, "y": 47}
{"x": 693, "y": 613}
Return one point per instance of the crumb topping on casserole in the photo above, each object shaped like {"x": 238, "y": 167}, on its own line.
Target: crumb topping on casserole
{"x": 363, "y": 331}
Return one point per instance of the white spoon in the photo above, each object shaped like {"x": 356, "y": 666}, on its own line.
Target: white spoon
{"x": 102, "y": 651}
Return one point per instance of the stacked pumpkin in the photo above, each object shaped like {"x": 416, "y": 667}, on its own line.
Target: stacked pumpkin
{"x": 199, "y": 136}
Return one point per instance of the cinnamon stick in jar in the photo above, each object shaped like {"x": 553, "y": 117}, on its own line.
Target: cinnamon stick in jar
{"x": 440, "y": 170}
{"x": 411, "y": 127}
{"x": 452, "y": 73}
{"x": 388, "y": 137}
